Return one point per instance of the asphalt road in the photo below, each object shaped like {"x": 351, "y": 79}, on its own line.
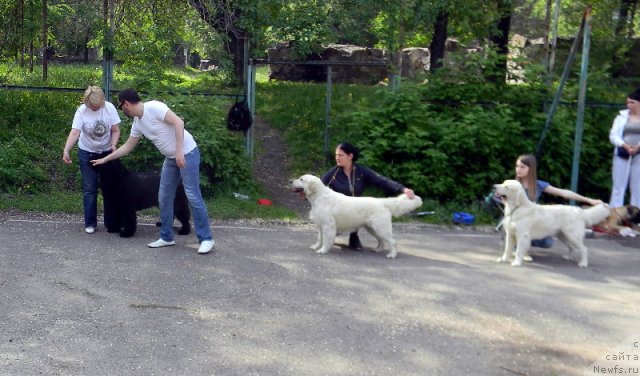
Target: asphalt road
{"x": 263, "y": 303}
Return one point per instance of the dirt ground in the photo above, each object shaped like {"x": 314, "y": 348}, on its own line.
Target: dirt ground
{"x": 270, "y": 168}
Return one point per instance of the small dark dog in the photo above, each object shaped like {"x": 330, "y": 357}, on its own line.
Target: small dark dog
{"x": 126, "y": 192}
{"x": 624, "y": 216}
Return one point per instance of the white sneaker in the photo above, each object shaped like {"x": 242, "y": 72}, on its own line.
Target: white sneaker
{"x": 206, "y": 246}
{"x": 161, "y": 243}
{"x": 89, "y": 230}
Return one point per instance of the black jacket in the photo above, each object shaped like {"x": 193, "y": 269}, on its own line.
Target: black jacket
{"x": 363, "y": 177}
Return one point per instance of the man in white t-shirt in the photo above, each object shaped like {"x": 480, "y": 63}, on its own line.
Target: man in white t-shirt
{"x": 155, "y": 121}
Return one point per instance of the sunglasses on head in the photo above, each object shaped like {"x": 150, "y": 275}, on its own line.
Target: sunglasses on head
{"x": 120, "y": 106}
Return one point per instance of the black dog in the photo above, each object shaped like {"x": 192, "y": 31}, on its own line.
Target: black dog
{"x": 126, "y": 192}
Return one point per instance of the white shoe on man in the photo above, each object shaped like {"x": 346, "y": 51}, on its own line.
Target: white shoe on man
{"x": 206, "y": 246}
{"x": 161, "y": 243}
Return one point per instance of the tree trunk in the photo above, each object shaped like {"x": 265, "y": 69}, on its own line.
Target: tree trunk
{"x": 21, "y": 38}
{"x": 45, "y": 42}
{"x": 235, "y": 48}
{"x": 500, "y": 39}
{"x": 623, "y": 34}
{"x": 439, "y": 41}
{"x": 32, "y": 36}
{"x": 632, "y": 17}
{"x": 222, "y": 17}
{"x": 85, "y": 52}
{"x": 545, "y": 38}
{"x": 623, "y": 19}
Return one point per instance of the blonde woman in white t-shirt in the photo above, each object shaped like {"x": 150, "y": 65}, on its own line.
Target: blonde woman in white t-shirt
{"x": 96, "y": 129}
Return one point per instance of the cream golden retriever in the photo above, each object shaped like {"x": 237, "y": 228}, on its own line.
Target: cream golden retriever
{"x": 335, "y": 213}
{"x": 525, "y": 220}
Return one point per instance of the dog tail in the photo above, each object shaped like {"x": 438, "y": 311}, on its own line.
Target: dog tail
{"x": 595, "y": 214}
{"x": 402, "y": 205}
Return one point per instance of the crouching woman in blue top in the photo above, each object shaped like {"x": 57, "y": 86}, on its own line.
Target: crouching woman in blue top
{"x": 526, "y": 174}
{"x": 351, "y": 179}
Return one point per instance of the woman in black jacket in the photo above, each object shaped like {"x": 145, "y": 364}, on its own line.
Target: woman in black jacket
{"x": 351, "y": 179}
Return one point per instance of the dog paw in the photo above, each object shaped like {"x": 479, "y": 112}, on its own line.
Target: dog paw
{"x": 501, "y": 260}
{"x": 516, "y": 263}
{"x": 322, "y": 251}
{"x": 315, "y": 247}
{"x": 583, "y": 264}
{"x": 527, "y": 258}
{"x": 391, "y": 255}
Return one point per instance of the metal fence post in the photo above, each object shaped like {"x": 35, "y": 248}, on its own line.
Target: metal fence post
{"x": 327, "y": 114}
{"x": 251, "y": 99}
{"x": 577, "y": 143}
{"x": 563, "y": 80}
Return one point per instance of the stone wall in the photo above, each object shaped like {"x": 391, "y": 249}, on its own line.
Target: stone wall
{"x": 345, "y": 54}
{"x": 415, "y": 61}
{"x": 358, "y": 64}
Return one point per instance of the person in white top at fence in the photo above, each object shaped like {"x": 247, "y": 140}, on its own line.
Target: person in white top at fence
{"x": 625, "y": 137}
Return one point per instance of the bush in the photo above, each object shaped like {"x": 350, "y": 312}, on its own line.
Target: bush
{"x": 450, "y": 139}
{"x": 35, "y": 126}
{"x": 449, "y": 143}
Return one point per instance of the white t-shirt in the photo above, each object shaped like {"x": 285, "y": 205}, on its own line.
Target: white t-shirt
{"x": 95, "y": 127}
{"x": 152, "y": 126}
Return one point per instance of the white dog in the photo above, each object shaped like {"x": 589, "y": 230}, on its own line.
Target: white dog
{"x": 335, "y": 213}
{"x": 525, "y": 220}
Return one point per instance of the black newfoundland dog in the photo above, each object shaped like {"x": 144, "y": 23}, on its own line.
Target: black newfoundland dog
{"x": 126, "y": 192}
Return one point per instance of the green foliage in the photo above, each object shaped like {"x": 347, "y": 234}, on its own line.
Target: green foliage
{"x": 72, "y": 25}
{"x": 50, "y": 202}
{"x": 224, "y": 162}
{"x": 31, "y": 141}
{"x": 396, "y": 24}
{"x": 450, "y": 138}
{"x": 20, "y": 171}
{"x": 35, "y": 125}
{"x": 298, "y": 111}
{"x": 223, "y": 155}
{"x": 451, "y": 151}
{"x": 58, "y": 75}
{"x": 454, "y": 137}
{"x": 227, "y": 206}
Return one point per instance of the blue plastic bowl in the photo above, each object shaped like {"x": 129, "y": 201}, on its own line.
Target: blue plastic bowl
{"x": 463, "y": 218}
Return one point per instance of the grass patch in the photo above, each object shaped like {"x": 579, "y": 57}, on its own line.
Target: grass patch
{"x": 222, "y": 207}
{"x": 229, "y": 207}
{"x": 62, "y": 202}
{"x": 298, "y": 111}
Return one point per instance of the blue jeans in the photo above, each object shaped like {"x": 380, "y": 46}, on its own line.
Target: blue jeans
{"x": 89, "y": 186}
{"x": 543, "y": 243}
{"x": 169, "y": 180}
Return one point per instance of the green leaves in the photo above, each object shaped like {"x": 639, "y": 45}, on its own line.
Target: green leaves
{"x": 453, "y": 141}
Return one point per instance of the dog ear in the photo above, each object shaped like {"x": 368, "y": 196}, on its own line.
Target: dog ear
{"x": 634, "y": 214}
{"x": 521, "y": 195}
{"x": 310, "y": 186}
